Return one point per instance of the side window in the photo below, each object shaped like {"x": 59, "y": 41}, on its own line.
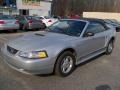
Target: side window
{"x": 95, "y": 27}
{"x": 76, "y": 28}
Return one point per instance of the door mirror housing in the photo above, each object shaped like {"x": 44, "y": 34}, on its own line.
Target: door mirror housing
{"x": 89, "y": 34}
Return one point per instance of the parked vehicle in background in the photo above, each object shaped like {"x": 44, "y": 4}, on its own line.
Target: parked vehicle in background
{"x": 114, "y": 23}
{"x": 8, "y": 23}
{"x": 48, "y": 20}
{"x": 29, "y": 22}
{"x": 60, "y": 48}
{"x": 43, "y": 26}
{"x": 73, "y": 16}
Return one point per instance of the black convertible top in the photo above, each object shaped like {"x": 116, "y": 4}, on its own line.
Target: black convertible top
{"x": 95, "y": 20}
{"x": 102, "y": 22}
{"x": 89, "y": 20}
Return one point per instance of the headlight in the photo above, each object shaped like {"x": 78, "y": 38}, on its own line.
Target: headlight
{"x": 33, "y": 55}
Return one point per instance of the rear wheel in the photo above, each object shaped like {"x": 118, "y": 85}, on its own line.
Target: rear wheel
{"x": 117, "y": 29}
{"x": 110, "y": 47}
{"x": 43, "y": 26}
{"x": 65, "y": 64}
{"x": 15, "y": 30}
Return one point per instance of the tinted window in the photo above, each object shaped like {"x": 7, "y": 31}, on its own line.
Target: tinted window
{"x": 69, "y": 27}
{"x": 114, "y": 21}
{"x": 95, "y": 27}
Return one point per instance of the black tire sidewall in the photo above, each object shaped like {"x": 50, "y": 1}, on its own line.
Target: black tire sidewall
{"x": 43, "y": 26}
{"x": 15, "y": 30}
{"x": 58, "y": 70}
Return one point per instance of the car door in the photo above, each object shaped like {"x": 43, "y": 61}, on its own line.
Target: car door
{"x": 94, "y": 41}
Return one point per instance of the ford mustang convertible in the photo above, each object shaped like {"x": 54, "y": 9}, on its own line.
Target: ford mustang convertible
{"x": 59, "y": 48}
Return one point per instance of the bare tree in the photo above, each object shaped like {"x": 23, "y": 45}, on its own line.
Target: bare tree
{"x": 63, "y": 7}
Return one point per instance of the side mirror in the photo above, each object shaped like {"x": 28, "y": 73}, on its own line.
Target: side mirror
{"x": 89, "y": 34}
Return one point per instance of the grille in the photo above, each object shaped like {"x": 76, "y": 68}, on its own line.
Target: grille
{"x": 11, "y": 50}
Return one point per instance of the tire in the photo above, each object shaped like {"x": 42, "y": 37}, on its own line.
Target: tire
{"x": 110, "y": 47}
{"x": 43, "y": 26}
{"x": 62, "y": 63}
{"x": 15, "y": 31}
{"x": 24, "y": 28}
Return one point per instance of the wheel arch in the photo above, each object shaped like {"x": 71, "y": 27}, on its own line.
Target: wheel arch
{"x": 62, "y": 51}
{"x": 110, "y": 39}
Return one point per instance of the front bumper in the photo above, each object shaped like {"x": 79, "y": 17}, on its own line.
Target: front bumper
{"x": 28, "y": 66}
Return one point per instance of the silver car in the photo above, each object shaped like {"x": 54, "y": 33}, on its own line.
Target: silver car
{"x": 9, "y": 23}
{"x": 29, "y": 22}
{"x": 60, "y": 48}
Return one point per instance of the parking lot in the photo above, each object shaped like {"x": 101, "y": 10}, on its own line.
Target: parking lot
{"x": 103, "y": 71}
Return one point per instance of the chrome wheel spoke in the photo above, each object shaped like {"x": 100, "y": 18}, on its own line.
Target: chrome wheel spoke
{"x": 110, "y": 47}
{"x": 67, "y": 64}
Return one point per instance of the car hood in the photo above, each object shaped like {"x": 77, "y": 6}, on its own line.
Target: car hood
{"x": 39, "y": 40}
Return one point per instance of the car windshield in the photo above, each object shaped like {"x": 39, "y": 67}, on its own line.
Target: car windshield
{"x": 40, "y": 18}
{"x": 6, "y": 17}
{"x": 114, "y": 21}
{"x": 46, "y": 17}
{"x": 68, "y": 27}
{"x": 28, "y": 17}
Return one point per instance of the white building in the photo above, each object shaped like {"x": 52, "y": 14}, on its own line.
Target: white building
{"x": 44, "y": 10}
{"x": 41, "y": 9}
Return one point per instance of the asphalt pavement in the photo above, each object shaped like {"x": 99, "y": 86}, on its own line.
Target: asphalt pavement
{"x": 101, "y": 73}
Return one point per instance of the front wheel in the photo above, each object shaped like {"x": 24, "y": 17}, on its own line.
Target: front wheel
{"x": 65, "y": 64}
{"x": 110, "y": 47}
{"x": 24, "y": 28}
